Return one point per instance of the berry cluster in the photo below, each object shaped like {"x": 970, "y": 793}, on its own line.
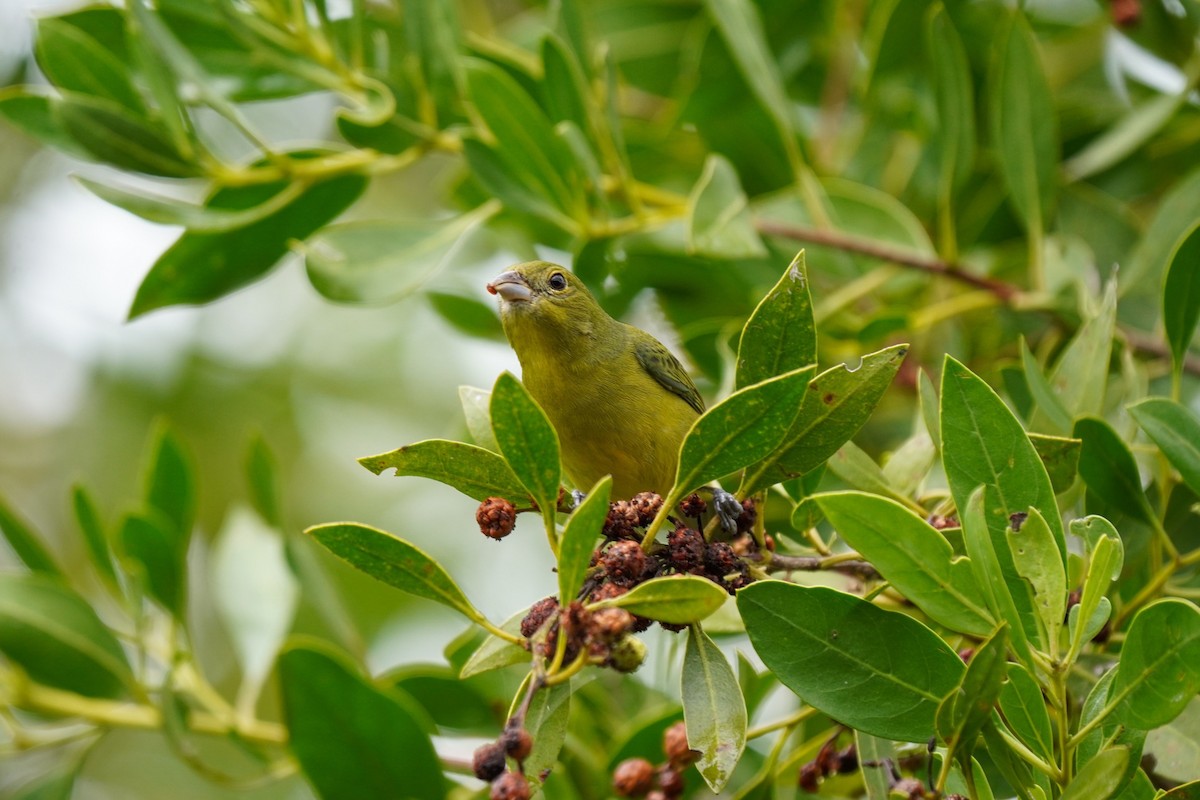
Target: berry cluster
{"x": 828, "y": 761}
{"x": 490, "y": 763}
{"x": 605, "y": 634}
{"x": 637, "y": 777}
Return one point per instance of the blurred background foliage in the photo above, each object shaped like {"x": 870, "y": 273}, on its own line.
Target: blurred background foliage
{"x": 962, "y": 175}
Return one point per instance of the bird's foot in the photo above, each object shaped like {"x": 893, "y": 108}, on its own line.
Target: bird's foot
{"x": 728, "y": 508}
{"x": 577, "y": 498}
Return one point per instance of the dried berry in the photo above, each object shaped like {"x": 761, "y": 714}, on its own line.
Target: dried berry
{"x": 488, "y": 761}
{"x": 539, "y": 612}
{"x": 607, "y": 591}
{"x": 744, "y": 544}
{"x": 609, "y": 624}
{"x": 670, "y": 780}
{"x": 496, "y": 517}
{"x": 686, "y": 548}
{"x": 720, "y": 560}
{"x": 621, "y": 521}
{"x": 647, "y": 505}
{"x": 517, "y": 742}
{"x": 623, "y": 562}
{"x": 633, "y": 777}
{"x": 810, "y": 778}
{"x": 627, "y": 654}
{"x": 693, "y": 506}
{"x": 510, "y": 786}
{"x": 847, "y": 760}
{"x": 910, "y": 788}
{"x": 673, "y": 627}
{"x": 749, "y": 515}
{"x": 675, "y": 746}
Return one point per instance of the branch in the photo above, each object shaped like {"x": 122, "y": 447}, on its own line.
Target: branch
{"x": 855, "y": 568}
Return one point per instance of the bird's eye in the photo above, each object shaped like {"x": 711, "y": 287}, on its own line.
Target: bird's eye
{"x": 558, "y": 281}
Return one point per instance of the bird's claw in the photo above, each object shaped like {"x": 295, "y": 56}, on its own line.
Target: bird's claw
{"x": 729, "y": 509}
{"x": 577, "y": 498}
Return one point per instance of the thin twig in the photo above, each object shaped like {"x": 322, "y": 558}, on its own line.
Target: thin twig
{"x": 858, "y": 569}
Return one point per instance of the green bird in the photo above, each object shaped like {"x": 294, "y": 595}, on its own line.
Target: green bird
{"x": 620, "y": 402}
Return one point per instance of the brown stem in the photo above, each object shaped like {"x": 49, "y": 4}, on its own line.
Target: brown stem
{"x": 886, "y": 252}
{"x": 858, "y": 569}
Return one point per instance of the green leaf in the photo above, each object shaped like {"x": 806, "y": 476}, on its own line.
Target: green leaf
{"x": 378, "y": 262}
{"x": 911, "y": 555}
{"x": 527, "y": 147}
{"x": 740, "y": 430}
{"x": 1177, "y": 213}
{"x": 1024, "y": 709}
{"x": 1100, "y": 778}
{"x": 713, "y": 709}
{"x": 116, "y": 136}
{"x": 1188, "y": 791}
{"x": 981, "y": 546}
{"x": 432, "y": 34}
{"x": 1181, "y": 296}
{"x": 963, "y": 712}
{"x": 1060, "y": 457}
{"x": 494, "y": 652}
{"x": 719, "y": 222}
{"x": 1176, "y": 431}
{"x": 1159, "y": 671}
{"x": 909, "y": 464}
{"x": 564, "y": 88}
{"x": 511, "y": 186}
{"x": 201, "y": 267}
{"x": 150, "y": 544}
{"x": 170, "y": 483}
{"x": 1038, "y": 561}
{"x": 26, "y": 543}
{"x": 196, "y": 218}
{"x": 930, "y": 408}
{"x": 860, "y": 471}
{"x": 262, "y": 475}
{"x": 477, "y": 473}
{"x": 1108, "y": 468}
{"x": 983, "y": 444}
{"x": 1081, "y": 374}
{"x": 1105, "y": 557}
{"x": 467, "y": 315}
{"x": 353, "y": 740}
{"x": 1110, "y": 732}
{"x": 393, "y": 561}
{"x": 74, "y": 61}
{"x": 94, "y": 537}
{"x": 1024, "y": 126}
{"x": 527, "y": 441}
{"x": 1049, "y": 404}
{"x": 34, "y": 113}
{"x": 837, "y": 404}
{"x": 579, "y": 539}
{"x": 55, "y": 636}
{"x": 546, "y": 721}
{"x": 878, "y": 671}
{"x": 955, "y": 102}
{"x": 780, "y": 335}
{"x": 448, "y": 701}
{"x": 874, "y": 755}
{"x": 739, "y": 24}
{"x": 475, "y": 405}
{"x": 675, "y": 599}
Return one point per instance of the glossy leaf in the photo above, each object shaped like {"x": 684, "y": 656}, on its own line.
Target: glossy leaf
{"x": 201, "y": 267}
{"x": 150, "y": 545}
{"x": 477, "y": 473}
{"x": 1100, "y": 778}
{"x": 116, "y": 136}
{"x": 877, "y": 671}
{"x": 448, "y": 701}
{"x": 510, "y": 185}
{"x": 564, "y": 88}
{"x": 171, "y": 484}
{"x": 677, "y": 599}
{"x": 860, "y": 471}
{"x": 911, "y": 555}
{"x": 74, "y": 61}
{"x": 955, "y": 99}
{"x": 467, "y": 314}
{"x": 546, "y": 722}
{"x": 713, "y": 709}
{"x": 94, "y": 536}
{"x": 930, "y": 408}
{"x": 527, "y": 440}
{"x": 1181, "y": 296}
{"x": 1108, "y": 468}
{"x": 25, "y": 542}
{"x": 475, "y": 403}
{"x": 377, "y": 262}
{"x": 1177, "y": 213}
{"x": 323, "y": 693}
{"x": 837, "y": 404}
{"x": 719, "y": 222}
{"x": 432, "y": 34}
{"x": 740, "y": 430}
{"x": 1176, "y": 431}
{"x": 1038, "y": 561}
{"x": 1049, "y": 404}
{"x": 1081, "y": 374}
{"x": 1024, "y": 127}
{"x": 963, "y": 712}
{"x": 1138, "y": 125}
{"x": 981, "y": 548}
{"x": 55, "y": 636}
{"x": 495, "y": 653}
{"x": 1110, "y": 732}
{"x": 36, "y": 114}
{"x": 1159, "y": 671}
{"x": 393, "y": 561}
{"x": 579, "y": 539}
{"x": 1105, "y": 556}
{"x": 1060, "y": 457}
{"x": 1024, "y": 709}
{"x": 780, "y": 335}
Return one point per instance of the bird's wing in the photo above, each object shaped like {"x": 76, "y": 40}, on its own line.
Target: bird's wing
{"x": 666, "y": 369}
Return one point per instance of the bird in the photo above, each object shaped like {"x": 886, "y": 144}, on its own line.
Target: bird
{"x": 620, "y": 402}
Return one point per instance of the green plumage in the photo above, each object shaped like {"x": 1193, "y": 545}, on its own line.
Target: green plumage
{"x": 620, "y": 402}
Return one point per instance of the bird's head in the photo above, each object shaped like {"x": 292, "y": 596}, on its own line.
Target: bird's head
{"x": 545, "y": 295}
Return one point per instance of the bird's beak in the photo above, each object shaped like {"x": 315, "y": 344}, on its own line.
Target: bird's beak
{"x": 511, "y": 286}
